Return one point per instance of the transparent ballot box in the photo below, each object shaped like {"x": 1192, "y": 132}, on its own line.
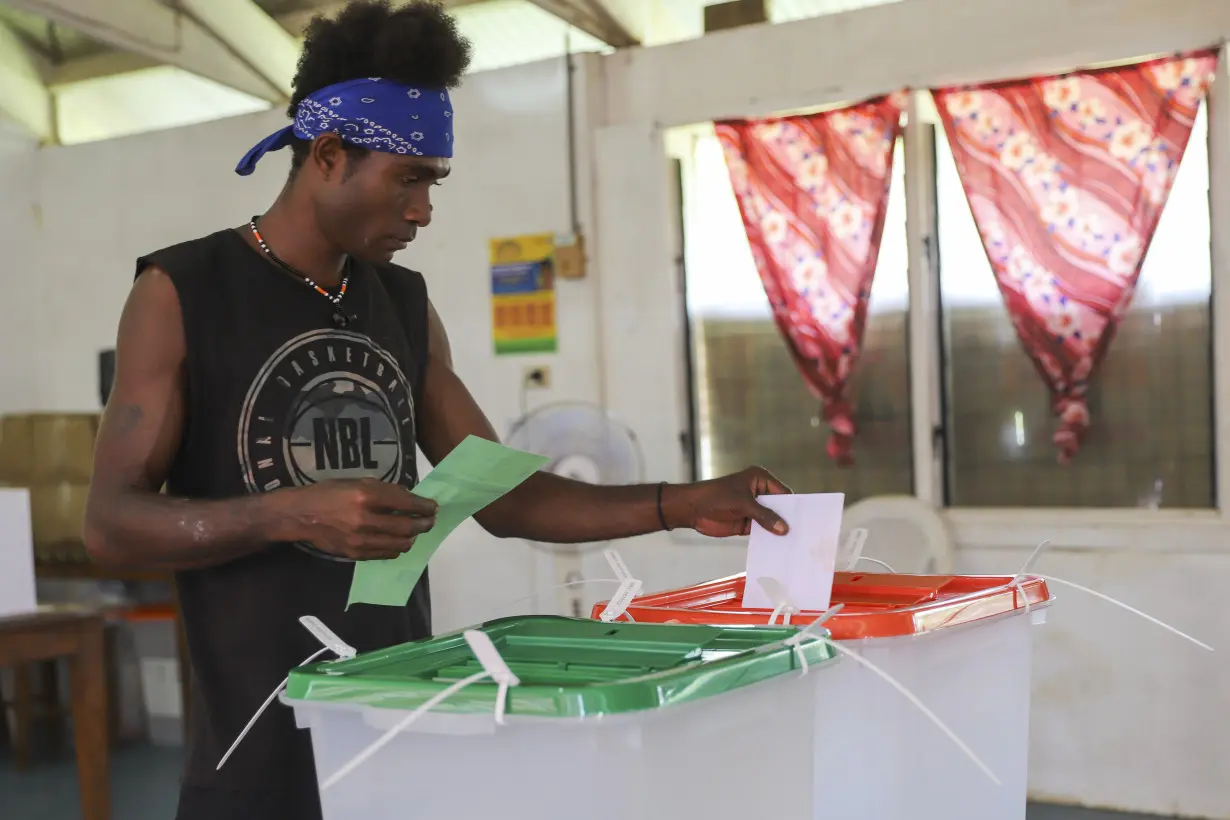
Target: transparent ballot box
{"x": 604, "y": 721}
{"x": 961, "y": 645}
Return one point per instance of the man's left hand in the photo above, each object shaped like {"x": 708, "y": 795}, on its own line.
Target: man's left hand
{"x": 724, "y": 506}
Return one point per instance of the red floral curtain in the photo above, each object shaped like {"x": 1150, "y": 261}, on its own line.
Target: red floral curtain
{"x": 813, "y": 191}
{"x": 1067, "y": 177}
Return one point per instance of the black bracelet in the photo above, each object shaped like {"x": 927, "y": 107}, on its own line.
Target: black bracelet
{"x": 661, "y": 517}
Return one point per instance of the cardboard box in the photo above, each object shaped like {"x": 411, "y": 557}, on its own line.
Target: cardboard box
{"x": 16, "y": 450}
{"x": 16, "y": 553}
{"x": 62, "y": 446}
{"x": 58, "y": 512}
{"x": 42, "y": 448}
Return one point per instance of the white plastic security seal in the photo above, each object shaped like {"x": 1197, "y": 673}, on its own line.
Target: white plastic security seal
{"x": 493, "y": 663}
{"x": 809, "y": 633}
{"x": 617, "y": 564}
{"x": 851, "y": 550}
{"x": 618, "y": 605}
{"x": 629, "y": 588}
{"x": 494, "y": 668}
{"x": 877, "y": 562}
{"x": 783, "y": 607}
{"x": 332, "y": 643}
{"x": 1018, "y": 580}
{"x": 328, "y": 637}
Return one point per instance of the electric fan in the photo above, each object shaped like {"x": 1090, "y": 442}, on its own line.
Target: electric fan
{"x": 583, "y": 442}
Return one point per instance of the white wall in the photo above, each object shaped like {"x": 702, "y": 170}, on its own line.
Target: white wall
{"x": 104, "y": 203}
{"x": 19, "y": 277}
{"x": 1125, "y": 715}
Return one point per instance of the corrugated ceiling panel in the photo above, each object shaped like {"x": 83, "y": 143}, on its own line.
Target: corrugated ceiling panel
{"x": 511, "y": 32}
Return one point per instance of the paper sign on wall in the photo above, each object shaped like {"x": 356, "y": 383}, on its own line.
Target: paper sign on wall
{"x": 523, "y": 294}
{"x": 803, "y": 560}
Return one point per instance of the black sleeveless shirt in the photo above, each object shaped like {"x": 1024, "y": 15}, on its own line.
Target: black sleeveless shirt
{"x": 277, "y": 397}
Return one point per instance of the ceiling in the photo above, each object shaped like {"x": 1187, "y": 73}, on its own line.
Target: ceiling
{"x": 239, "y": 55}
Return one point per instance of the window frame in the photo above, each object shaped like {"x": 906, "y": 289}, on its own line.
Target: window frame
{"x": 1096, "y": 526}
{"x": 1091, "y": 526}
{"x": 680, "y": 153}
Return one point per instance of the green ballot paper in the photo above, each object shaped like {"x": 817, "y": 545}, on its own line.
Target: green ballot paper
{"x": 476, "y": 473}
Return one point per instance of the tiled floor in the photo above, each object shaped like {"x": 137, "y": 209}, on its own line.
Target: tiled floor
{"x": 144, "y": 782}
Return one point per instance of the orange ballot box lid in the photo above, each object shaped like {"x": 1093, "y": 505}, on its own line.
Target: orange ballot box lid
{"x": 876, "y": 605}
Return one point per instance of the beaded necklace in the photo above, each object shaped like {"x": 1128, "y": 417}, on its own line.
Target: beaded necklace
{"x": 340, "y": 317}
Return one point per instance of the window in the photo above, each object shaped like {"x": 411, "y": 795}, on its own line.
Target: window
{"x": 1151, "y": 439}
{"x": 751, "y": 404}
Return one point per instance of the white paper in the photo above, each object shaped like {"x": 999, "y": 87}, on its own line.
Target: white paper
{"x": 802, "y": 561}
{"x": 16, "y": 553}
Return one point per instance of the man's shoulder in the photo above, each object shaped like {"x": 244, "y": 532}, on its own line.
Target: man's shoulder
{"x": 186, "y": 258}
{"x": 401, "y": 281}
{"x": 396, "y": 271}
{"x": 201, "y": 244}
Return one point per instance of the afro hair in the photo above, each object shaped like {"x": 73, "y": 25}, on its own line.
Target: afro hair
{"x": 414, "y": 44}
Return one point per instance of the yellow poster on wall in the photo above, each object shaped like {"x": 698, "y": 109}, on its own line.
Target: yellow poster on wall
{"x": 523, "y": 293}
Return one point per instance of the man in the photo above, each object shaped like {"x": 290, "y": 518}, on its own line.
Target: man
{"x": 278, "y": 376}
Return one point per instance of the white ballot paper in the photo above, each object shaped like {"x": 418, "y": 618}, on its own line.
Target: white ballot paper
{"x": 802, "y": 561}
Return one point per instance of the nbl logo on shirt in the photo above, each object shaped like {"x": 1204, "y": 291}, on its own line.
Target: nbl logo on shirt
{"x": 328, "y": 404}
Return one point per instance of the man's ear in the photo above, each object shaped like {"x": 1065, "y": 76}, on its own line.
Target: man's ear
{"x": 328, "y": 155}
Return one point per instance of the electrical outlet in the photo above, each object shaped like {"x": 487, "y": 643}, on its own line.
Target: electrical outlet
{"x": 535, "y": 377}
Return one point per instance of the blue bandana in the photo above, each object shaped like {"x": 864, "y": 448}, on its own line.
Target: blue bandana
{"x": 372, "y": 113}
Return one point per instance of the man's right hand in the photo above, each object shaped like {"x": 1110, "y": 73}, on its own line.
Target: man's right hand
{"x": 362, "y": 520}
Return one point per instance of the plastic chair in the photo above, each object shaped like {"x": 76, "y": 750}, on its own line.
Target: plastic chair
{"x": 903, "y": 532}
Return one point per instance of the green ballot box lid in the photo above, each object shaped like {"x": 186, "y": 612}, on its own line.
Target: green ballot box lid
{"x": 567, "y": 668}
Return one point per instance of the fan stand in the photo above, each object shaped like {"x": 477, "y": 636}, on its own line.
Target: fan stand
{"x": 587, "y": 445}
{"x": 566, "y": 563}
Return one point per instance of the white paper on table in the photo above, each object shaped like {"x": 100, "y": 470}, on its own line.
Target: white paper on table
{"x": 803, "y": 560}
{"x": 16, "y": 553}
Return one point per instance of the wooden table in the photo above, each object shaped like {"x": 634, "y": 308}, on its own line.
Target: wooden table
{"x": 89, "y": 571}
{"x": 75, "y": 634}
